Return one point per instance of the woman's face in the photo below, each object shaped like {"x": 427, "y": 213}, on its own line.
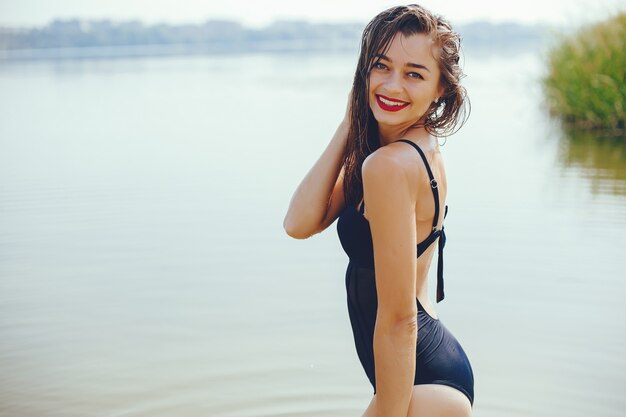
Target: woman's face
{"x": 404, "y": 81}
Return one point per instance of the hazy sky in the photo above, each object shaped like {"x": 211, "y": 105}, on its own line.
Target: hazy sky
{"x": 260, "y": 13}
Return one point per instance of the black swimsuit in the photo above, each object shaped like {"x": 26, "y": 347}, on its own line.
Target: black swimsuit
{"x": 440, "y": 359}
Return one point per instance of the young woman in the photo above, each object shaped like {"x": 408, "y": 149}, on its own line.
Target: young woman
{"x": 382, "y": 175}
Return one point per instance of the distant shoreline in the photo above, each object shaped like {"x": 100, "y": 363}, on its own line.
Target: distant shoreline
{"x": 74, "y": 38}
{"x": 122, "y": 51}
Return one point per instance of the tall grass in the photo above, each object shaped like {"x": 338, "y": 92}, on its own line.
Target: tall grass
{"x": 586, "y": 80}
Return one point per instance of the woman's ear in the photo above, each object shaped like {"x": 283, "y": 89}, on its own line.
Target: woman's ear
{"x": 440, "y": 91}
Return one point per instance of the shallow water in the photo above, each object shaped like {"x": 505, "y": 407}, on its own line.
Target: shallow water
{"x": 144, "y": 270}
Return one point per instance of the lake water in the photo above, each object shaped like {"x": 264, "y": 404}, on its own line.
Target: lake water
{"x": 144, "y": 270}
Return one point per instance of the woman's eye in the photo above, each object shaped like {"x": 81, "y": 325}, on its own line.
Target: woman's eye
{"x": 415, "y": 75}
{"x": 379, "y": 65}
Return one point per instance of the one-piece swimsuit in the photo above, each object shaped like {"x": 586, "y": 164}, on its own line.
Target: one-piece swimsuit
{"x": 440, "y": 359}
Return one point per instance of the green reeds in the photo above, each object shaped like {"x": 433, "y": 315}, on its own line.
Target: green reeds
{"x": 586, "y": 80}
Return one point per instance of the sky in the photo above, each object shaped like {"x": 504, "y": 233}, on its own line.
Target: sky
{"x": 259, "y": 13}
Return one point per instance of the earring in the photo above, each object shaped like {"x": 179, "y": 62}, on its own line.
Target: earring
{"x": 437, "y": 100}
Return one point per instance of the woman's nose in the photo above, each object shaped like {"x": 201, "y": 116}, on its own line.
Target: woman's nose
{"x": 394, "y": 82}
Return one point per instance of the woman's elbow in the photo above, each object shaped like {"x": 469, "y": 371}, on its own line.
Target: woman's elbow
{"x": 399, "y": 322}
{"x": 294, "y": 231}
{"x": 290, "y": 229}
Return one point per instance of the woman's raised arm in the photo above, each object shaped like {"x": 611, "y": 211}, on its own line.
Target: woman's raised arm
{"x": 309, "y": 209}
{"x": 319, "y": 198}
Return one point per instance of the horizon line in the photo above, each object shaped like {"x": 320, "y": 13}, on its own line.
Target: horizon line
{"x": 248, "y": 25}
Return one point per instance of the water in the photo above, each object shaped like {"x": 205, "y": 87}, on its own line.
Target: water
{"x": 144, "y": 270}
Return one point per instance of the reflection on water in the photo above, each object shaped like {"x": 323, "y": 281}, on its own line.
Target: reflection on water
{"x": 599, "y": 157}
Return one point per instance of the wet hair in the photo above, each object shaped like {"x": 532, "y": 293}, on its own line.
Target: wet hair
{"x": 441, "y": 119}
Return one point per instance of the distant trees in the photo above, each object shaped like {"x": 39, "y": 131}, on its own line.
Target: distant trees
{"x": 93, "y": 33}
{"x": 225, "y": 35}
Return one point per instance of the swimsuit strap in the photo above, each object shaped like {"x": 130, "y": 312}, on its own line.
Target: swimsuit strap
{"x": 433, "y": 182}
{"x": 435, "y": 233}
{"x": 442, "y": 243}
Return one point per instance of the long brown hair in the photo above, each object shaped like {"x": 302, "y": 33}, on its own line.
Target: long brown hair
{"x": 441, "y": 119}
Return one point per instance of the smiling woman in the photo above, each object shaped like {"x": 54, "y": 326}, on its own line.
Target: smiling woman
{"x": 406, "y": 91}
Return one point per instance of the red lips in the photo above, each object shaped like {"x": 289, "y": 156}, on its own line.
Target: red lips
{"x": 387, "y": 107}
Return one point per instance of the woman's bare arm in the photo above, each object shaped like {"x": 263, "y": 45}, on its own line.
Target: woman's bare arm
{"x": 390, "y": 199}
{"x": 319, "y": 197}
{"x": 310, "y": 202}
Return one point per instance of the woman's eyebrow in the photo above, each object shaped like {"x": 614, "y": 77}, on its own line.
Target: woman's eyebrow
{"x": 408, "y": 64}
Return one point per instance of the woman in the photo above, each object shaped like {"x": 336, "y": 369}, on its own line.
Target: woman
{"x": 385, "y": 156}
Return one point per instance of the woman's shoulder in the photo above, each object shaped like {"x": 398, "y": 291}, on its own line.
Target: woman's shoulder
{"x": 386, "y": 159}
{"x": 390, "y": 167}
{"x": 397, "y": 158}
